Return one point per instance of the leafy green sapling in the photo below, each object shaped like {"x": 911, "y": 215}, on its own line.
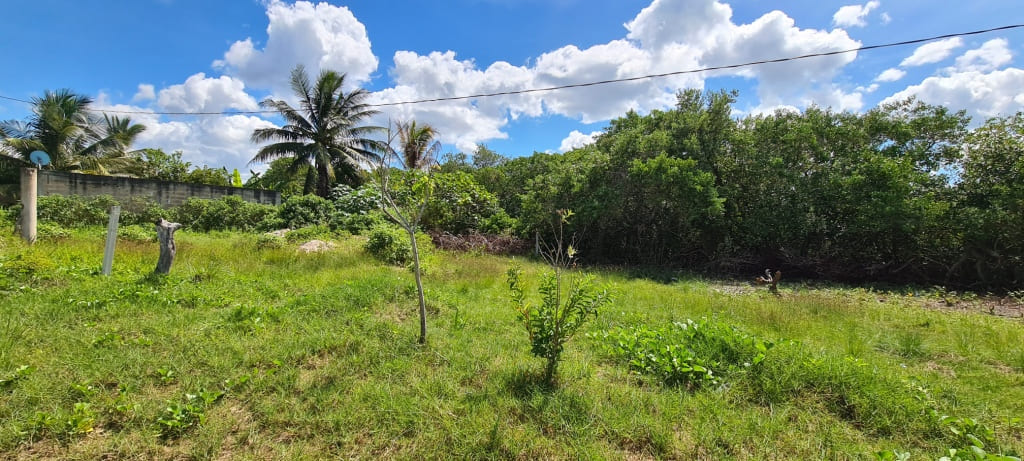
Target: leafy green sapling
{"x": 551, "y": 323}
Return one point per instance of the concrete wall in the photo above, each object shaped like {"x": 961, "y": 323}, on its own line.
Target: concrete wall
{"x": 166, "y": 193}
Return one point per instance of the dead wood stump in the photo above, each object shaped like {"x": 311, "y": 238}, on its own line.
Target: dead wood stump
{"x": 165, "y": 233}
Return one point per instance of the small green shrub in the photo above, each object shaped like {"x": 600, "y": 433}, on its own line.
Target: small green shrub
{"x": 320, "y": 232}
{"x": 63, "y": 425}
{"x": 356, "y": 223}
{"x": 141, "y": 211}
{"x": 553, "y": 322}
{"x": 305, "y": 210}
{"x": 51, "y": 231}
{"x": 693, "y": 354}
{"x": 363, "y": 200}
{"x": 459, "y": 204}
{"x": 500, "y": 223}
{"x": 178, "y": 417}
{"x": 389, "y": 244}
{"x": 269, "y": 241}
{"x": 227, "y": 213}
{"x": 136, "y": 233}
{"x": 972, "y": 441}
{"x": 74, "y": 211}
{"x": 271, "y": 222}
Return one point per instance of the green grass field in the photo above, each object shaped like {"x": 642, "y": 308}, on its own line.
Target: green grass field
{"x": 250, "y": 353}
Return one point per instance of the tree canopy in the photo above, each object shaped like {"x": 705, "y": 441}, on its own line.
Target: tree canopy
{"x": 326, "y": 131}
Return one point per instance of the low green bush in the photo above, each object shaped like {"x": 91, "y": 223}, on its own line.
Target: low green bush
{"x": 74, "y": 211}
{"x": 363, "y": 200}
{"x": 269, "y": 241}
{"x": 137, "y": 233}
{"x": 305, "y": 234}
{"x": 389, "y": 244}
{"x": 227, "y": 213}
{"x": 51, "y": 231}
{"x": 691, "y": 353}
{"x": 141, "y": 211}
{"x": 356, "y": 223}
{"x": 305, "y": 210}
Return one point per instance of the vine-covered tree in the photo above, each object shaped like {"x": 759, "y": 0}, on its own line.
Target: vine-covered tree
{"x": 326, "y": 131}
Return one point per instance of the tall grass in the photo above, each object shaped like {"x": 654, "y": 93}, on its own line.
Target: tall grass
{"x": 316, "y": 357}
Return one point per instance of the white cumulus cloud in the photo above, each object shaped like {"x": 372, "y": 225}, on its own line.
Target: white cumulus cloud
{"x": 890, "y": 75}
{"x": 854, "y": 15}
{"x": 932, "y": 52}
{"x": 200, "y": 93}
{"x": 666, "y": 36}
{"x": 318, "y": 36}
{"x": 145, "y": 92}
{"x": 983, "y": 95}
{"x": 992, "y": 55}
{"x": 576, "y": 139}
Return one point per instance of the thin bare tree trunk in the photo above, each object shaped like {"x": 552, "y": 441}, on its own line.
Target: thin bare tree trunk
{"x": 419, "y": 286}
{"x": 165, "y": 233}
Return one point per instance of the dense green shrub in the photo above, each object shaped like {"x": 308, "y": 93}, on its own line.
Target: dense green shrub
{"x": 499, "y": 223}
{"x": 458, "y": 204}
{"x": 356, "y": 223}
{"x": 227, "y": 213}
{"x": 305, "y": 210}
{"x": 74, "y": 211}
{"x": 356, "y": 201}
{"x": 51, "y": 231}
{"x": 141, "y": 211}
{"x": 137, "y": 233}
{"x": 318, "y": 232}
{"x": 269, "y": 241}
{"x": 389, "y": 244}
{"x": 356, "y": 210}
{"x": 693, "y": 354}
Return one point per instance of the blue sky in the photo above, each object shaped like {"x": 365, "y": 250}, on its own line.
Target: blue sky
{"x": 198, "y": 55}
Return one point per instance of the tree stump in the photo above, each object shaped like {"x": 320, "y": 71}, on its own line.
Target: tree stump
{"x": 165, "y": 233}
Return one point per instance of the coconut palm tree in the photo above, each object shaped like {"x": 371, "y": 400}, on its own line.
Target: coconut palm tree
{"x": 326, "y": 131}
{"x": 62, "y": 125}
{"x": 419, "y": 145}
{"x": 110, "y": 152}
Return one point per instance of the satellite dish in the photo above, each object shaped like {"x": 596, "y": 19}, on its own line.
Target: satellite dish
{"x": 40, "y": 158}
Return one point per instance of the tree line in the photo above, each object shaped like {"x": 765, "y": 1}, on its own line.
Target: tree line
{"x": 905, "y": 192}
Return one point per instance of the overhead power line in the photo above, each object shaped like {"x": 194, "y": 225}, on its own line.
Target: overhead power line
{"x": 594, "y": 83}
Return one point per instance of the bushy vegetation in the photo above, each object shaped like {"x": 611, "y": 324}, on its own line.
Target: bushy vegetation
{"x": 229, "y": 212}
{"x": 691, "y": 354}
{"x": 390, "y": 244}
{"x": 902, "y": 193}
